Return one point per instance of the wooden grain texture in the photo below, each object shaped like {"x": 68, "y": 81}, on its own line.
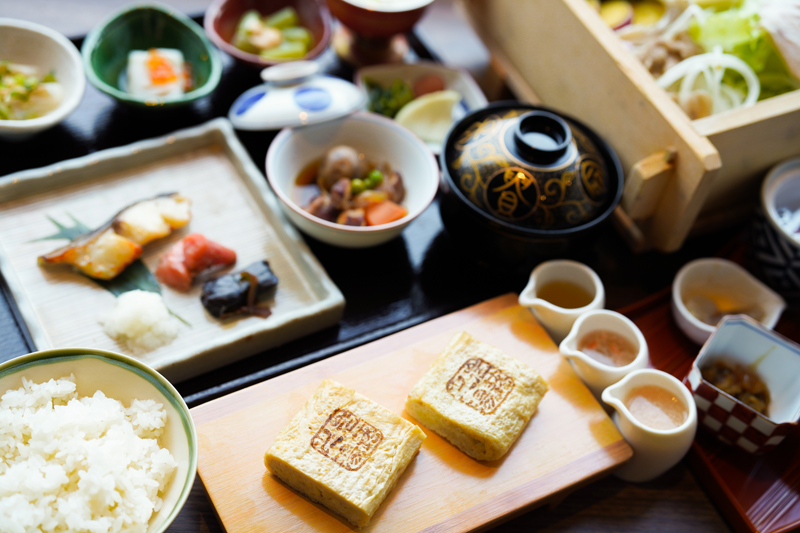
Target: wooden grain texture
{"x": 569, "y": 441}
{"x": 62, "y": 307}
{"x": 576, "y": 64}
{"x": 749, "y": 142}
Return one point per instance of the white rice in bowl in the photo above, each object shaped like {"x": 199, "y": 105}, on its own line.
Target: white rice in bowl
{"x": 75, "y": 464}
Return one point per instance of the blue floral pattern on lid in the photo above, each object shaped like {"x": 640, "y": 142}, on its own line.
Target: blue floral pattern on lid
{"x": 248, "y": 102}
{"x": 312, "y": 98}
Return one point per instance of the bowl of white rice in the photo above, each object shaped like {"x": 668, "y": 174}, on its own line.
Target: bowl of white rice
{"x": 91, "y": 441}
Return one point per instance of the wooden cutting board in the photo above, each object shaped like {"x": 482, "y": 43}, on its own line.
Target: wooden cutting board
{"x": 569, "y": 441}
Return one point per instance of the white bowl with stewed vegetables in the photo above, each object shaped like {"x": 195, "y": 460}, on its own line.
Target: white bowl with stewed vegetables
{"x": 380, "y": 144}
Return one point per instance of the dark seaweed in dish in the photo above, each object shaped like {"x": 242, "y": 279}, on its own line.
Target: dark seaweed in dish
{"x": 238, "y": 292}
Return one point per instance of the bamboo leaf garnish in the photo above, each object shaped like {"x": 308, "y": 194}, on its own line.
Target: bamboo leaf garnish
{"x": 135, "y": 277}
{"x": 65, "y": 232}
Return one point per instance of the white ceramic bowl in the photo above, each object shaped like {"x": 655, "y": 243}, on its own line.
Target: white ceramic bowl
{"x": 376, "y": 136}
{"x": 459, "y": 80}
{"x": 121, "y": 378}
{"x": 33, "y": 44}
{"x": 723, "y": 279}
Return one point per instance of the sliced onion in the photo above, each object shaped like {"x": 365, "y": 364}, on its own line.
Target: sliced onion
{"x": 712, "y": 66}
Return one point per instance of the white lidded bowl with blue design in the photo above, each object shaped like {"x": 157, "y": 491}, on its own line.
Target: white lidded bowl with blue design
{"x": 294, "y": 94}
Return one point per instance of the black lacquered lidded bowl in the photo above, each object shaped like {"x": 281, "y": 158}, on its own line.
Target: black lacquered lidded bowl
{"x": 521, "y": 181}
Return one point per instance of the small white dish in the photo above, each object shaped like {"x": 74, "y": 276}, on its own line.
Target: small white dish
{"x": 376, "y": 136}
{"x": 458, "y": 80}
{"x": 596, "y": 375}
{"x": 557, "y": 320}
{"x": 27, "y": 43}
{"x": 712, "y": 283}
{"x": 654, "y": 450}
{"x": 124, "y": 379}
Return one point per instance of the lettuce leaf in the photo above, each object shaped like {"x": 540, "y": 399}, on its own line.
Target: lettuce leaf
{"x": 738, "y": 31}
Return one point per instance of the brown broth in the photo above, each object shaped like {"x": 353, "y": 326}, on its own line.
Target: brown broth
{"x": 656, "y": 407}
{"x": 305, "y": 186}
{"x": 565, "y": 294}
{"x": 608, "y": 347}
{"x": 308, "y": 174}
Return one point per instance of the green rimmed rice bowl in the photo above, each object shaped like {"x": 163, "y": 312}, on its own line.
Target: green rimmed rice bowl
{"x": 121, "y": 378}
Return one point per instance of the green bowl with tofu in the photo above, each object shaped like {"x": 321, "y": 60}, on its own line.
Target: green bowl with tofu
{"x": 151, "y": 55}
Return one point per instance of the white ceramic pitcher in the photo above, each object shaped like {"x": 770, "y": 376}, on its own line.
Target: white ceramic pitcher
{"x": 596, "y": 375}
{"x": 654, "y": 451}
{"x": 558, "y": 320}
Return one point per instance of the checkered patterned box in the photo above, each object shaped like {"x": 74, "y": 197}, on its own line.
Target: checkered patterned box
{"x": 745, "y": 341}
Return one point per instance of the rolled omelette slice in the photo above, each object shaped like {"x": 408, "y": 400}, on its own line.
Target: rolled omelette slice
{"x": 477, "y": 397}
{"x": 344, "y": 451}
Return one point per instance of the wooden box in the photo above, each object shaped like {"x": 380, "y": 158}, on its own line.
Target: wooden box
{"x": 680, "y": 173}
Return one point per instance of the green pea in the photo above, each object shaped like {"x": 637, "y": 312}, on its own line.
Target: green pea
{"x": 357, "y": 186}
{"x": 374, "y": 178}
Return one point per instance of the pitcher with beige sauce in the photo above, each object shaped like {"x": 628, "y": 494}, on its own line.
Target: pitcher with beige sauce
{"x": 603, "y": 347}
{"x": 657, "y": 415}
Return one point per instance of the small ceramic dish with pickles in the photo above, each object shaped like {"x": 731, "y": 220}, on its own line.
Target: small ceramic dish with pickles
{"x": 151, "y": 55}
{"x": 82, "y": 419}
{"x": 744, "y": 382}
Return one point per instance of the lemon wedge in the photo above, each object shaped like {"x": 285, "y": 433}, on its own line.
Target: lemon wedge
{"x": 430, "y": 115}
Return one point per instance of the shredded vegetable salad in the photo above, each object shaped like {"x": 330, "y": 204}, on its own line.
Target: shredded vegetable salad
{"x": 717, "y": 55}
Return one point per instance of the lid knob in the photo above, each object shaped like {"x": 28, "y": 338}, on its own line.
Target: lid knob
{"x": 289, "y": 73}
{"x": 542, "y": 137}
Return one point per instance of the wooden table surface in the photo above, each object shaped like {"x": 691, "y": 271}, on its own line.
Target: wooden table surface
{"x": 424, "y": 287}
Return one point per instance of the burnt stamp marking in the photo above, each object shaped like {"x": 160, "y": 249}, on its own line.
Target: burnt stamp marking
{"x": 346, "y": 439}
{"x": 480, "y": 385}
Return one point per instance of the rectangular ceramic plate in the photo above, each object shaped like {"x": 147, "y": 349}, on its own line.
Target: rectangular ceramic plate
{"x": 569, "y": 441}
{"x": 231, "y": 204}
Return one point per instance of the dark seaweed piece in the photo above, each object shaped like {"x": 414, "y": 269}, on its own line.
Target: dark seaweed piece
{"x": 228, "y": 294}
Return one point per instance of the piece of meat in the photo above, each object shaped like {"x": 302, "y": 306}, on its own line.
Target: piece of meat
{"x": 392, "y": 185}
{"x": 352, "y": 217}
{"x": 322, "y": 207}
{"x": 337, "y": 163}
{"x": 341, "y": 193}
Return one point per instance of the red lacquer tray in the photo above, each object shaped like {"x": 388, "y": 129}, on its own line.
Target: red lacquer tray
{"x": 755, "y": 493}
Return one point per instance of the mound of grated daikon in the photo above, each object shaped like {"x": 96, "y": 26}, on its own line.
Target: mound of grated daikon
{"x": 79, "y": 464}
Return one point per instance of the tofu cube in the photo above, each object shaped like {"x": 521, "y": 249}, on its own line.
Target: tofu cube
{"x": 158, "y": 72}
{"x": 476, "y": 397}
{"x": 344, "y": 451}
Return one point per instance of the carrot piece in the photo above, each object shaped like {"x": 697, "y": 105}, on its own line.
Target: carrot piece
{"x": 383, "y": 213}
